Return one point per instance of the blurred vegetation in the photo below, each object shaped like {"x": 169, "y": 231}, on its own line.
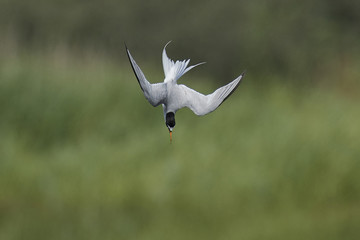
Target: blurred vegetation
{"x": 304, "y": 41}
{"x": 84, "y": 156}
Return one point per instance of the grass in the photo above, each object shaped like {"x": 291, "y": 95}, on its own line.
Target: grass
{"x": 84, "y": 156}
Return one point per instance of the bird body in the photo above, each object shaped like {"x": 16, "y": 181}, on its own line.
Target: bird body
{"x": 175, "y": 96}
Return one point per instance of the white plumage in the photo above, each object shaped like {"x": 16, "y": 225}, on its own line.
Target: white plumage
{"x": 173, "y": 96}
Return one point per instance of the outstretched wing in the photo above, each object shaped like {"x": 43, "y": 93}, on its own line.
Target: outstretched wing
{"x": 203, "y": 104}
{"x": 154, "y": 93}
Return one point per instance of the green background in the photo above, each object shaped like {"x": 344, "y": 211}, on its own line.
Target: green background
{"x": 83, "y": 155}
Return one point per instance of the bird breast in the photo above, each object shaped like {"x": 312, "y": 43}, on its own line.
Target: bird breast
{"x": 174, "y": 96}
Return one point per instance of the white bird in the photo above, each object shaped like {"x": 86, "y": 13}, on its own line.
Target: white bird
{"x": 173, "y": 96}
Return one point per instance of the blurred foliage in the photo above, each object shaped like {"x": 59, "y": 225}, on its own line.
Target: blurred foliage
{"x": 302, "y": 41}
{"x": 84, "y": 156}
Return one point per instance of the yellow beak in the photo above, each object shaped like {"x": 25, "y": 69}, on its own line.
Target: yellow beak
{"x": 170, "y": 132}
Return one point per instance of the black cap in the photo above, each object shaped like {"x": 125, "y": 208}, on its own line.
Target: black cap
{"x": 170, "y": 119}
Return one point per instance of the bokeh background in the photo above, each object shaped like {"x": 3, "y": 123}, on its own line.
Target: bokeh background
{"x": 84, "y": 156}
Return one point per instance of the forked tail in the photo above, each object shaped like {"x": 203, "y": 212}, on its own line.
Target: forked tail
{"x": 174, "y": 70}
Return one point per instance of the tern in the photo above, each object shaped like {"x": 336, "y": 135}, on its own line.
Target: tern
{"x": 174, "y": 96}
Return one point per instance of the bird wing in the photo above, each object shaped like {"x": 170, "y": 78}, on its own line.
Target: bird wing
{"x": 154, "y": 93}
{"x": 203, "y": 104}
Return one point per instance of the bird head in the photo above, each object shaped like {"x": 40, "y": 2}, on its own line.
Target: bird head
{"x": 170, "y": 122}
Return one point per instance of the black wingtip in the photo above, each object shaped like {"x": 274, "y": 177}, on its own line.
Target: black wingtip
{"x": 132, "y": 66}
{"x": 232, "y": 91}
{"x": 126, "y": 47}
{"x": 243, "y": 73}
{"x": 127, "y": 53}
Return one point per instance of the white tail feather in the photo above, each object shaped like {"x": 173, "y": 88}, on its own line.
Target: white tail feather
{"x": 174, "y": 70}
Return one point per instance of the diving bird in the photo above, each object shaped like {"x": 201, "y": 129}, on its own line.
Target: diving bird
{"x": 174, "y": 96}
